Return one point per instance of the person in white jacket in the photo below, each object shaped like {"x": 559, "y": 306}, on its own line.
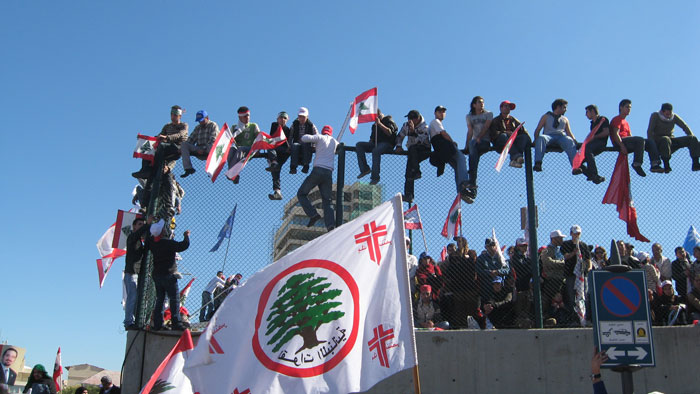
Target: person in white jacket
{"x": 321, "y": 176}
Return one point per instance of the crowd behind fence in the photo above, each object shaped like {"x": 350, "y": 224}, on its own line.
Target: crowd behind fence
{"x": 666, "y": 205}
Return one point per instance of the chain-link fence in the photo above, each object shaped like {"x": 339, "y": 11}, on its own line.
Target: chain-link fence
{"x": 265, "y": 229}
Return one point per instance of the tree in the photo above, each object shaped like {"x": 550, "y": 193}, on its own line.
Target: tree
{"x": 302, "y": 306}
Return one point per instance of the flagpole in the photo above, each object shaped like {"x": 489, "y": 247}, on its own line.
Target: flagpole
{"x": 345, "y": 123}
{"x": 422, "y": 231}
{"x": 225, "y": 254}
{"x": 416, "y": 379}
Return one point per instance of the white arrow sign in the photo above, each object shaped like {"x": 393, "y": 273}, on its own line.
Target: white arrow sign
{"x": 613, "y": 353}
{"x": 640, "y": 353}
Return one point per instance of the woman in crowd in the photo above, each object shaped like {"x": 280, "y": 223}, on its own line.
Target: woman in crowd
{"x": 40, "y": 382}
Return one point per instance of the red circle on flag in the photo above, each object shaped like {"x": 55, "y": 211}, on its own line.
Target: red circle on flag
{"x": 335, "y": 360}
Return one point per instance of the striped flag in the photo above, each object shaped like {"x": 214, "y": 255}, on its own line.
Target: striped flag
{"x": 363, "y": 109}
{"x": 108, "y": 253}
{"x": 146, "y": 147}
{"x": 262, "y": 141}
{"x": 411, "y": 219}
{"x": 58, "y": 371}
{"x": 169, "y": 376}
{"x": 506, "y": 149}
{"x": 578, "y": 159}
{"x": 453, "y": 223}
{"x": 219, "y": 152}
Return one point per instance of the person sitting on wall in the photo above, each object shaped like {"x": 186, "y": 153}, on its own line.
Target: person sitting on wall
{"x": 418, "y": 147}
{"x": 555, "y": 132}
{"x": 381, "y": 141}
{"x": 662, "y": 143}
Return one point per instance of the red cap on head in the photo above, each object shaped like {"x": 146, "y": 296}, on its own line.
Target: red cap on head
{"x": 327, "y": 130}
{"x": 511, "y": 105}
{"x": 426, "y": 289}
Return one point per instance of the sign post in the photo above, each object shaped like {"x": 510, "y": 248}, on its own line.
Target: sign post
{"x": 622, "y": 320}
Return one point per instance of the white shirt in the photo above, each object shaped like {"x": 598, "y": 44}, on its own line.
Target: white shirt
{"x": 435, "y": 127}
{"x": 664, "y": 267}
{"x": 325, "y": 150}
{"x": 216, "y": 283}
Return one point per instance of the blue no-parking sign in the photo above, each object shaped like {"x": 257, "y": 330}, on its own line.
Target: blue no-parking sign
{"x": 621, "y": 317}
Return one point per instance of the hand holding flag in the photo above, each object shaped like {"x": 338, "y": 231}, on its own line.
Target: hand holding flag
{"x": 219, "y": 152}
{"x": 506, "y": 149}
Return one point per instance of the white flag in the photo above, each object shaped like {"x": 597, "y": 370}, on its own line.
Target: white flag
{"x": 412, "y": 219}
{"x": 219, "y": 152}
{"x": 168, "y": 377}
{"x": 453, "y": 223}
{"x": 332, "y": 316}
{"x": 146, "y": 147}
{"x": 109, "y": 254}
{"x": 123, "y": 227}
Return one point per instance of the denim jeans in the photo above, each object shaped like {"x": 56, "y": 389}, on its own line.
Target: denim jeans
{"x": 130, "y": 284}
{"x": 280, "y": 156}
{"x": 323, "y": 178}
{"x": 416, "y": 154}
{"x": 476, "y": 149}
{"x": 207, "y": 307}
{"x": 459, "y": 164}
{"x": 302, "y": 149}
{"x": 560, "y": 140}
{"x": 377, "y": 151}
{"x": 166, "y": 284}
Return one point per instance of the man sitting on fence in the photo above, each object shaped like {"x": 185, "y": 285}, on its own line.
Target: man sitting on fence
{"x": 244, "y": 135}
{"x": 662, "y": 143}
{"x": 418, "y": 146}
{"x": 622, "y": 139}
{"x": 199, "y": 142}
{"x": 381, "y": 141}
{"x": 445, "y": 152}
{"x": 597, "y": 144}
{"x": 300, "y": 127}
{"x": 502, "y": 128}
{"x": 555, "y": 131}
{"x": 278, "y": 156}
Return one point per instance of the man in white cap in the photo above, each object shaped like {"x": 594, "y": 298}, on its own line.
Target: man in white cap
{"x": 321, "y": 176}
{"x": 300, "y": 127}
{"x": 199, "y": 143}
{"x": 164, "y": 273}
{"x": 552, "y": 267}
{"x": 572, "y": 250}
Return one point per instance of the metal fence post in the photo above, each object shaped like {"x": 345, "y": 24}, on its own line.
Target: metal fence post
{"x": 339, "y": 185}
{"x": 532, "y": 230}
{"x": 146, "y": 260}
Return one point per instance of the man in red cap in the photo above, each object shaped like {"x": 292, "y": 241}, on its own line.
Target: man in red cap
{"x": 321, "y": 176}
{"x": 502, "y": 128}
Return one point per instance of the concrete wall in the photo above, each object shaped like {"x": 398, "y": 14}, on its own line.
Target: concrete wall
{"x": 497, "y": 361}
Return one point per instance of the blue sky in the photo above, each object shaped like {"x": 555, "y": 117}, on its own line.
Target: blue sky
{"x": 80, "y": 79}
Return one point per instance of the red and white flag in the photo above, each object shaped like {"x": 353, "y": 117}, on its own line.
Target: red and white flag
{"x": 363, "y": 109}
{"x": 168, "y": 377}
{"x": 146, "y": 147}
{"x": 499, "y": 250}
{"x": 123, "y": 227}
{"x": 506, "y": 149}
{"x": 619, "y": 194}
{"x": 262, "y": 141}
{"x": 219, "y": 152}
{"x": 186, "y": 290}
{"x": 349, "y": 326}
{"x": 108, "y": 253}
{"x": 58, "y": 371}
{"x": 411, "y": 219}
{"x": 453, "y": 223}
{"x": 581, "y": 154}
{"x": 443, "y": 254}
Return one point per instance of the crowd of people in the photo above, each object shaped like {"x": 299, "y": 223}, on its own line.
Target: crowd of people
{"x": 491, "y": 289}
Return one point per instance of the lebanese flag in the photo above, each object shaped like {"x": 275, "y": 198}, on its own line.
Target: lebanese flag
{"x": 363, "y": 109}
{"x": 168, "y": 376}
{"x": 580, "y": 155}
{"x": 350, "y": 324}
{"x": 58, "y": 371}
{"x": 499, "y": 249}
{"x": 123, "y": 227}
{"x": 506, "y": 149}
{"x": 108, "y": 253}
{"x": 443, "y": 254}
{"x": 146, "y": 147}
{"x": 186, "y": 290}
{"x": 619, "y": 194}
{"x": 262, "y": 141}
{"x": 219, "y": 152}
{"x": 453, "y": 223}
{"x": 411, "y": 219}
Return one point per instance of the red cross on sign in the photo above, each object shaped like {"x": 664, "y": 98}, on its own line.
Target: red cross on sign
{"x": 378, "y": 343}
{"x": 371, "y": 235}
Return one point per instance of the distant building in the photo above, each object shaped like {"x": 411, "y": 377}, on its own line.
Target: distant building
{"x": 293, "y": 233}
{"x": 89, "y": 375}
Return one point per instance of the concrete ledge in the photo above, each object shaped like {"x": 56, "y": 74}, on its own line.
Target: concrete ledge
{"x": 496, "y": 361}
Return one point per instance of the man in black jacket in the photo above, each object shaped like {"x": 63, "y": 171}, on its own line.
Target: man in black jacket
{"x": 276, "y": 157}
{"x": 134, "y": 254}
{"x": 164, "y": 268}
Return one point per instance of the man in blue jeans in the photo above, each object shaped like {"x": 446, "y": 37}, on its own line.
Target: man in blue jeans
{"x": 164, "y": 268}
{"x": 321, "y": 176}
{"x": 134, "y": 254}
{"x": 555, "y": 131}
{"x": 381, "y": 141}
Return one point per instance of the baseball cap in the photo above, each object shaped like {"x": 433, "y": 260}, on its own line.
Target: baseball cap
{"x": 303, "y": 111}
{"x": 412, "y": 114}
{"x": 157, "y": 228}
{"x": 440, "y": 108}
{"x": 521, "y": 241}
{"x": 556, "y": 233}
{"x": 575, "y": 229}
{"x": 327, "y": 130}
{"x": 508, "y": 103}
{"x": 201, "y": 115}
{"x": 666, "y": 282}
{"x": 497, "y": 279}
{"x": 426, "y": 289}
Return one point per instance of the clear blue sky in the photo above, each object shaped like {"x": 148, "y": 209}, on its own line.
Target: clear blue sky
{"x": 80, "y": 79}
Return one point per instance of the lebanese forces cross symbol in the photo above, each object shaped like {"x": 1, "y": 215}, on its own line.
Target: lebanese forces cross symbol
{"x": 370, "y": 236}
{"x": 378, "y": 344}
